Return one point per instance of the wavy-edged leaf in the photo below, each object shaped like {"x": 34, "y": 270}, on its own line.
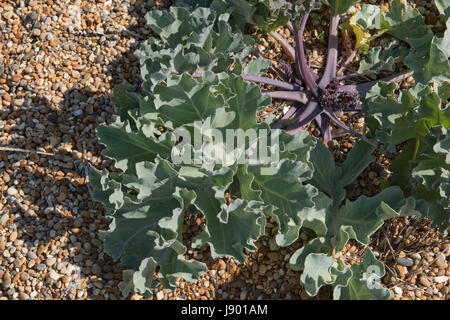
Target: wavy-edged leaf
{"x": 128, "y": 147}
{"x": 365, "y": 282}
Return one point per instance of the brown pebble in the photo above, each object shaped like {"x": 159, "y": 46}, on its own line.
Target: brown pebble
{"x": 424, "y": 281}
{"x": 13, "y": 236}
{"x": 222, "y": 264}
{"x": 440, "y": 263}
{"x": 402, "y": 271}
{"x": 262, "y": 269}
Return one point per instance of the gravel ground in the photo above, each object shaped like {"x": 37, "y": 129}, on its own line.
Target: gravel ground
{"x": 59, "y": 61}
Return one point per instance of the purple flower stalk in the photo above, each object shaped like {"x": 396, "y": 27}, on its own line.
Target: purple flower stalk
{"x": 317, "y": 98}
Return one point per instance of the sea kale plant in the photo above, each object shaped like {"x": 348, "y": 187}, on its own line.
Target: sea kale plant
{"x": 196, "y": 77}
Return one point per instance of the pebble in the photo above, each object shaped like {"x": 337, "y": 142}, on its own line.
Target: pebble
{"x": 416, "y": 256}
{"x": 53, "y": 275}
{"x": 31, "y": 255}
{"x": 160, "y": 295}
{"x": 12, "y": 191}
{"x": 50, "y": 261}
{"x": 262, "y": 269}
{"x": 40, "y": 267}
{"x": 13, "y": 236}
{"x": 77, "y": 112}
{"x": 402, "y": 271}
{"x": 424, "y": 281}
{"x": 407, "y": 262}
{"x": 441, "y": 279}
{"x": 273, "y": 245}
{"x": 441, "y": 263}
{"x": 6, "y": 281}
{"x": 398, "y": 291}
{"x": 3, "y": 219}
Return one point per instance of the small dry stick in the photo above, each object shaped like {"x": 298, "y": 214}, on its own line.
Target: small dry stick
{"x": 26, "y": 151}
{"x": 390, "y": 246}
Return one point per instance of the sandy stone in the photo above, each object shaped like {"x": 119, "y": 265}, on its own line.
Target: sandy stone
{"x": 424, "y": 281}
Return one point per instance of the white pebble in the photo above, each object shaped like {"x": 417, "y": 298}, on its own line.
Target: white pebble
{"x": 398, "y": 291}
{"x": 12, "y": 191}
{"x": 53, "y": 275}
{"x": 159, "y": 295}
{"x": 441, "y": 279}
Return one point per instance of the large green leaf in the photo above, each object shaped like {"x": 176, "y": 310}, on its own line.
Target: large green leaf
{"x": 284, "y": 192}
{"x": 190, "y": 41}
{"x": 432, "y": 67}
{"x": 406, "y": 23}
{"x": 431, "y": 172}
{"x": 184, "y": 100}
{"x": 234, "y": 228}
{"x": 128, "y": 147}
{"x": 365, "y": 283}
{"x": 429, "y": 55}
{"x": 330, "y": 177}
{"x": 443, "y": 7}
{"x": 382, "y": 59}
{"x": 360, "y": 219}
{"x": 418, "y": 119}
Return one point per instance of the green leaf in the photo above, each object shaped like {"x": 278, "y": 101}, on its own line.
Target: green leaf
{"x": 406, "y": 23}
{"x": 125, "y": 99}
{"x": 360, "y": 219}
{"x": 361, "y": 22}
{"x": 432, "y": 67}
{"x": 105, "y": 190}
{"x": 244, "y": 100}
{"x": 183, "y": 100}
{"x": 429, "y": 55}
{"x": 368, "y": 17}
{"x": 257, "y": 66}
{"x": 406, "y": 116}
{"x": 431, "y": 175}
{"x": 330, "y": 177}
{"x": 365, "y": 283}
{"x": 444, "y": 8}
{"x": 317, "y": 272}
{"x": 357, "y": 160}
{"x": 128, "y": 147}
{"x": 283, "y": 191}
{"x": 236, "y": 227}
{"x": 190, "y": 41}
{"x": 382, "y": 59}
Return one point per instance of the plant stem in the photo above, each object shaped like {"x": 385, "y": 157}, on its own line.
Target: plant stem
{"x": 288, "y": 95}
{"x": 273, "y": 82}
{"x": 347, "y": 62}
{"x": 300, "y": 60}
{"x": 258, "y": 79}
{"x": 339, "y": 123}
{"x": 301, "y": 119}
{"x": 330, "y": 68}
{"x": 283, "y": 42}
{"x": 349, "y": 76}
{"x": 280, "y": 123}
{"x": 366, "y": 86}
{"x": 323, "y": 123}
{"x": 280, "y": 73}
{"x": 290, "y": 26}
